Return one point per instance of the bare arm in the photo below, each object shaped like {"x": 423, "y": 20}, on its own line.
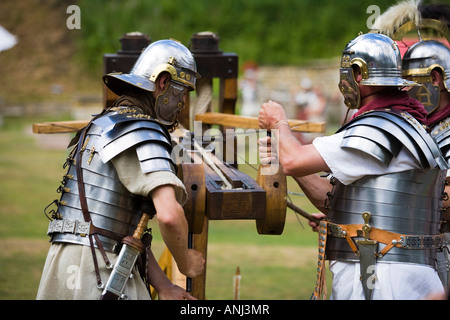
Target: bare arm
{"x": 174, "y": 230}
{"x": 316, "y": 189}
{"x": 158, "y": 279}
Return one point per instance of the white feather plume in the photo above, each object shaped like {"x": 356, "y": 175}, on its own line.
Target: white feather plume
{"x": 397, "y": 15}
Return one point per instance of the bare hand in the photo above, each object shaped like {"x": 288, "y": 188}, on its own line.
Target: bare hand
{"x": 269, "y": 114}
{"x": 267, "y": 154}
{"x": 196, "y": 264}
{"x": 318, "y": 216}
{"x": 174, "y": 292}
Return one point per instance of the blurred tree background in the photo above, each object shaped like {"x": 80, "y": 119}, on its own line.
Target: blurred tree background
{"x": 49, "y": 55}
{"x": 267, "y": 31}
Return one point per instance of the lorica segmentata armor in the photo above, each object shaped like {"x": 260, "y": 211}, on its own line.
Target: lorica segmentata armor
{"x": 111, "y": 206}
{"x": 403, "y": 205}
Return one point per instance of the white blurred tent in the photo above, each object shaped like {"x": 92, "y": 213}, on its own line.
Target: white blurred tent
{"x": 7, "y": 40}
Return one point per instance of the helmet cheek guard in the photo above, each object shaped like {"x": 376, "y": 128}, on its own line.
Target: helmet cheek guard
{"x": 169, "y": 103}
{"x": 349, "y": 88}
{"x": 427, "y": 94}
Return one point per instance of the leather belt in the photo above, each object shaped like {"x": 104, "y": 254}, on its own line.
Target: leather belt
{"x": 349, "y": 231}
{"x": 94, "y": 231}
{"x": 391, "y": 239}
{"x": 77, "y": 232}
{"x": 69, "y": 226}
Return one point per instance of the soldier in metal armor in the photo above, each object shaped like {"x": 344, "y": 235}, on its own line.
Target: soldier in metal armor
{"x": 428, "y": 62}
{"x": 120, "y": 168}
{"x": 436, "y": 88}
{"x": 381, "y": 230}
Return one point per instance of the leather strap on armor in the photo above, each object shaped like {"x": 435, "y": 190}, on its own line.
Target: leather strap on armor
{"x": 93, "y": 233}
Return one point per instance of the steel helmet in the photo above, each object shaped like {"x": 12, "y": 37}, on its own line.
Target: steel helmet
{"x": 418, "y": 62}
{"x": 379, "y": 59}
{"x": 160, "y": 56}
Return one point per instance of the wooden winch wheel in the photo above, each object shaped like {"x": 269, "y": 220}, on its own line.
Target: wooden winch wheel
{"x": 275, "y": 186}
{"x": 193, "y": 177}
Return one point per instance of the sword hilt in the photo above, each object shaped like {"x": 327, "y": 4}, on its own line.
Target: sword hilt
{"x": 141, "y": 227}
{"x": 135, "y": 240}
{"x": 366, "y": 227}
{"x": 366, "y": 230}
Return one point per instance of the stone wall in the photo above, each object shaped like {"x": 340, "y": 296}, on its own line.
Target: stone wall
{"x": 278, "y": 83}
{"x": 282, "y": 83}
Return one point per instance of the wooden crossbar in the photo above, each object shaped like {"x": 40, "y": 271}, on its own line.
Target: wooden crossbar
{"x": 231, "y": 120}
{"x": 223, "y": 119}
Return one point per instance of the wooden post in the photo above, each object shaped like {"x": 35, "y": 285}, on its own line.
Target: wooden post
{"x": 201, "y": 244}
{"x": 212, "y": 63}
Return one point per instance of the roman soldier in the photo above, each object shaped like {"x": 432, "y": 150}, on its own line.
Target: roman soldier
{"x": 121, "y": 168}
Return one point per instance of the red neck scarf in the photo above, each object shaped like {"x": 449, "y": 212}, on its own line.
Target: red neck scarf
{"x": 438, "y": 116}
{"x": 398, "y": 100}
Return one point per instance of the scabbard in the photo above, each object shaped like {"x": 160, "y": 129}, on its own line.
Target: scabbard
{"x": 132, "y": 247}
{"x": 120, "y": 274}
{"x": 367, "y": 251}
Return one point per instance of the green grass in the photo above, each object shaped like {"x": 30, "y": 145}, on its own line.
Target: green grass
{"x": 272, "y": 267}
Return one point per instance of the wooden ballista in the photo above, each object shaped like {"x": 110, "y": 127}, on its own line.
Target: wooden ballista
{"x": 217, "y": 190}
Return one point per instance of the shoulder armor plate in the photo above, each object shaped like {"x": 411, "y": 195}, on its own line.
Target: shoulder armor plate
{"x": 123, "y": 131}
{"x": 441, "y": 133}
{"x": 382, "y": 133}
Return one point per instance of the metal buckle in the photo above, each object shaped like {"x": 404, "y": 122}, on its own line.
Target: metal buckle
{"x": 336, "y": 231}
{"x": 421, "y": 242}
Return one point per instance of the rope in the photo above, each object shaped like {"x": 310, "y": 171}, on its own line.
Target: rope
{"x": 204, "y": 98}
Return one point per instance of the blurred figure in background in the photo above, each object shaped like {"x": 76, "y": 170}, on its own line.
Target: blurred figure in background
{"x": 310, "y": 105}
{"x": 249, "y": 89}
